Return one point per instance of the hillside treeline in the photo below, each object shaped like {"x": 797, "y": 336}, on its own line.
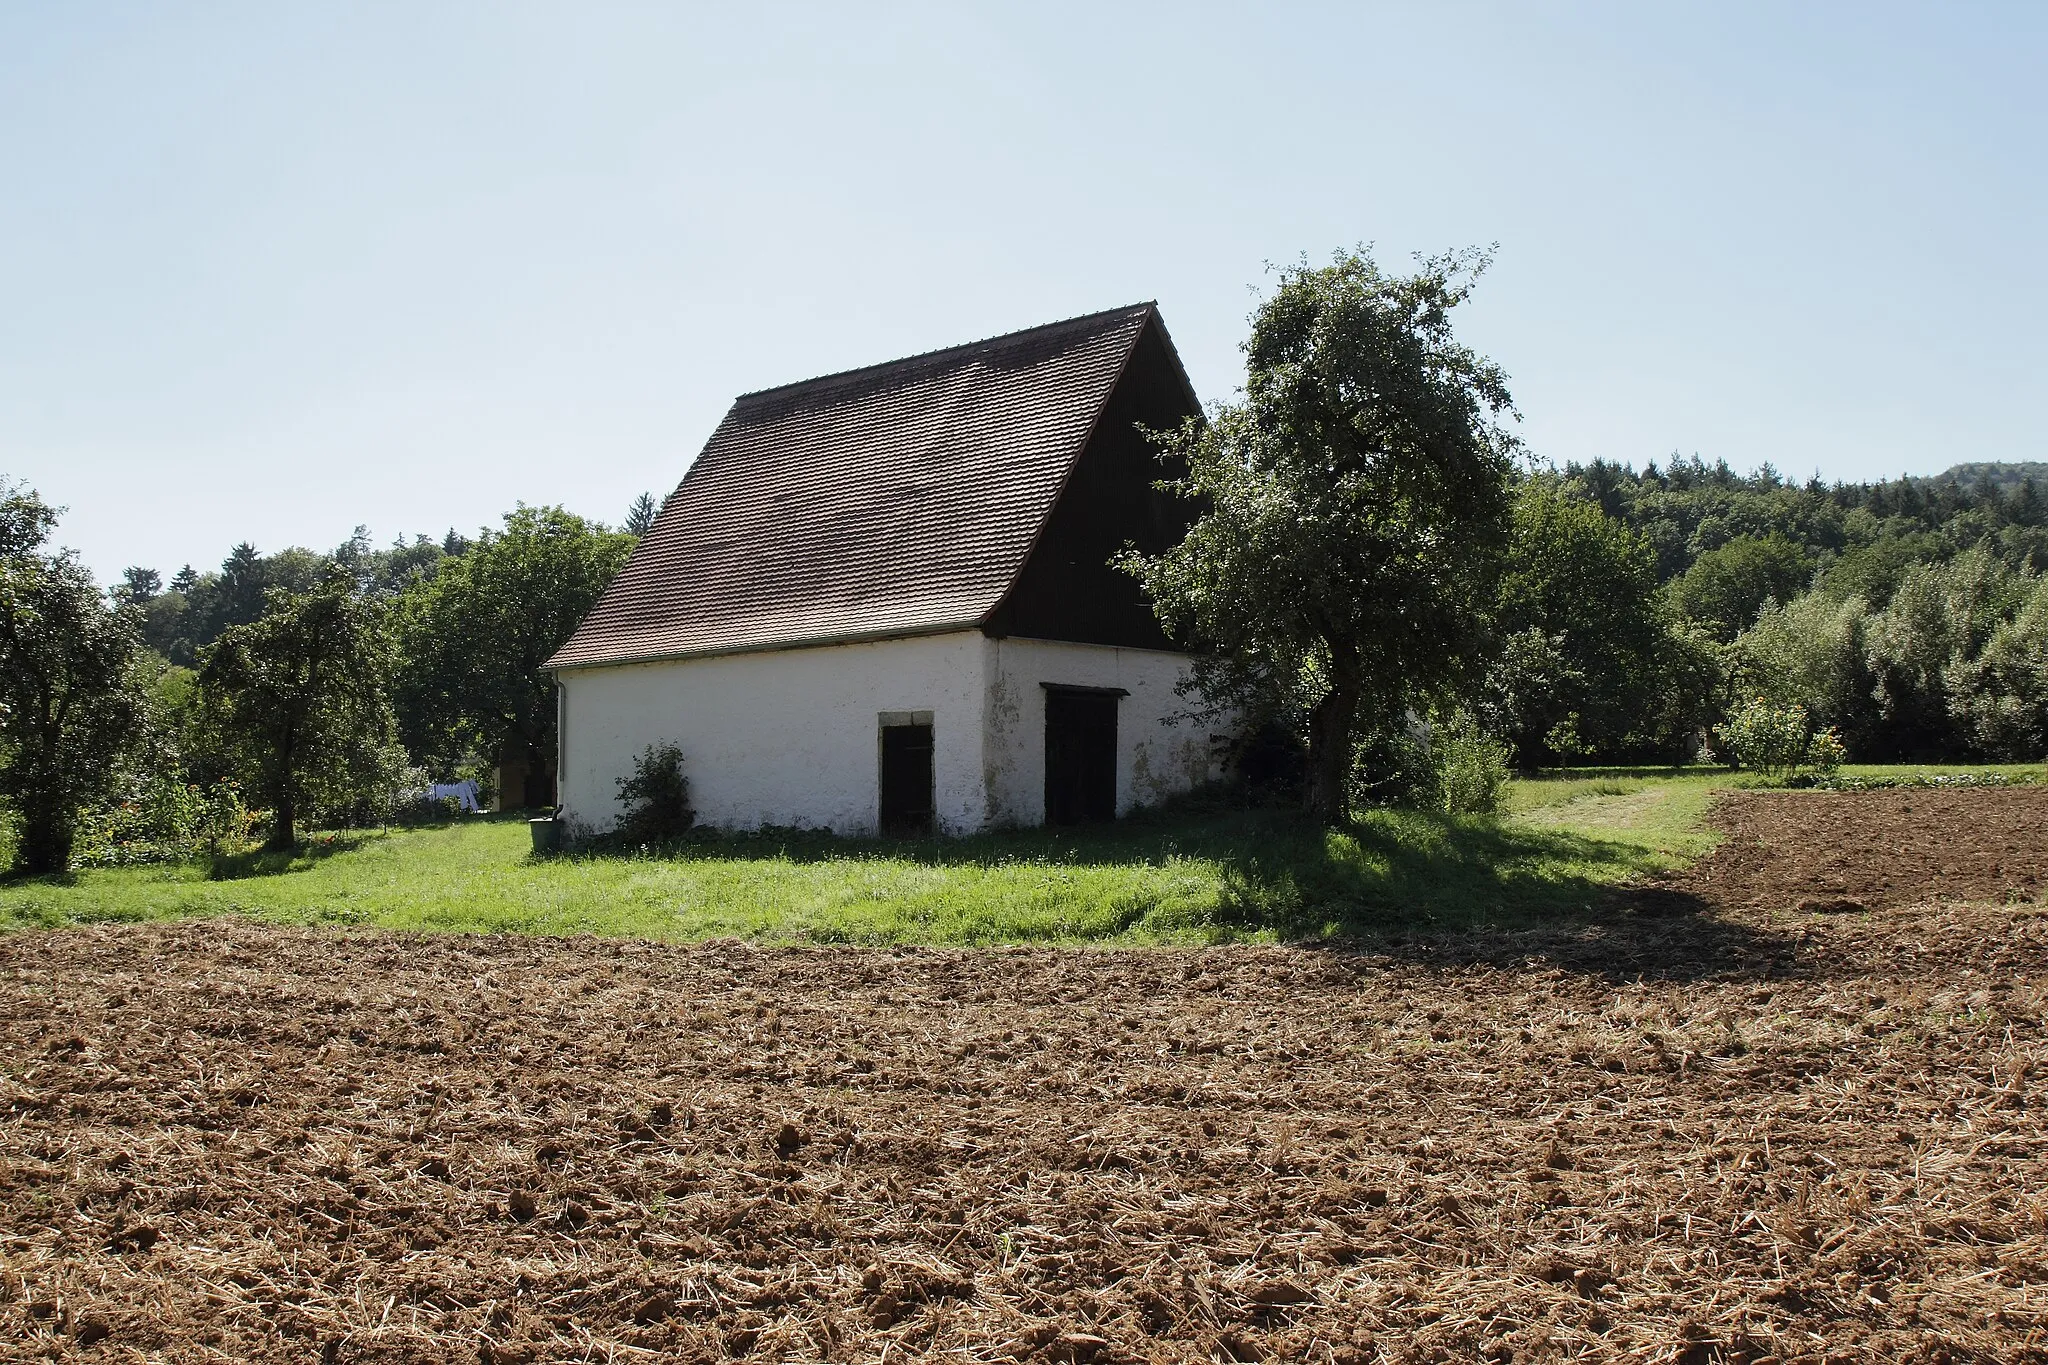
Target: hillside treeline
{"x": 1639, "y": 607}
{"x": 180, "y": 618}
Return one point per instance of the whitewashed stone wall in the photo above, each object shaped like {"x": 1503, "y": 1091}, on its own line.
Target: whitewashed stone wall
{"x": 1154, "y": 760}
{"x": 791, "y": 737}
{"x": 782, "y": 737}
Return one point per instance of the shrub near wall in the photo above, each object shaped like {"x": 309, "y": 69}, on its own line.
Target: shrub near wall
{"x": 656, "y": 795}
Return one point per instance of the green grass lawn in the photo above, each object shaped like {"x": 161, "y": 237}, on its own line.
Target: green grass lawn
{"x": 1183, "y": 875}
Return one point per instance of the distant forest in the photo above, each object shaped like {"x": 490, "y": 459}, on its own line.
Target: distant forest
{"x": 1860, "y": 534}
{"x": 1641, "y": 607}
{"x": 1723, "y": 543}
{"x": 183, "y": 616}
{"x": 1910, "y": 616}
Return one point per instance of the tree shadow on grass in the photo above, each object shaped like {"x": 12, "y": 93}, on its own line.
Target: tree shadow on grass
{"x": 266, "y": 862}
{"x": 13, "y": 877}
{"x": 1410, "y": 884}
{"x": 1465, "y": 891}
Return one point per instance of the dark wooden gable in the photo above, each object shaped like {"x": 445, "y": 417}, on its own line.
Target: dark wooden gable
{"x": 1067, "y": 589}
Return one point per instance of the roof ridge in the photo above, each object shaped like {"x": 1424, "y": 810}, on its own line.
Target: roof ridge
{"x": 838, "y": 376}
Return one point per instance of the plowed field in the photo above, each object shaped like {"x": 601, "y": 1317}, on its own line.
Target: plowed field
{"x": 1664, "y": 1137}
{"x": 1868, "y": 850}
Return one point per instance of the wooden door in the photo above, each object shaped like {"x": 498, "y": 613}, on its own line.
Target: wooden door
{"x": 1080, "y": 756}
{"x": 906, "y": 779}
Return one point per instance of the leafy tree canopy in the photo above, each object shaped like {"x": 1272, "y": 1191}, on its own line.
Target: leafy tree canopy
{"x": 1355, "y": 507}
{"x": 297, "y": 696}
{"x": 1725, "y": 588}
{"x": 1587, "y": 583}
{"x": 473, "y": 639}
{"x": 67, "y": 709}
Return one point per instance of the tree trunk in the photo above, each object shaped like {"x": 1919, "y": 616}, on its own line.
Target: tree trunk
{"x": 45, "y": 843}
{"x": 1329, "y": 753}
{"x": 540, "y": 775}
{"x": 284, "y": 834}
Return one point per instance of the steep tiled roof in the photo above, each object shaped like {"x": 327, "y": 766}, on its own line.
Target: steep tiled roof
{"x": 893, "y": 500}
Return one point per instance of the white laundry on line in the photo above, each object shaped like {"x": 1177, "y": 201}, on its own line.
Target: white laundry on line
{"x": 464, "y": 793}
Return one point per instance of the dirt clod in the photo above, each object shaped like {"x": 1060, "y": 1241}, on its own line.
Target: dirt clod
{"x": 136, "y": 1239}
{"x": 1832, "y": 905}
{"x": 1279, "y": 1294}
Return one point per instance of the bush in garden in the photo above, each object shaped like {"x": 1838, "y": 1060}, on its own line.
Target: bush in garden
{"x": 1776, "y": 741}
{"x": 1824, "y": 752}
{"x": 166, "y": 821}
{"x": 1470, "y": 766}
{"x": 1392, "y": 766}
{"x": 1448, "y": 763}
{"x": 369, "y": 784}
{"x": 419, "y": 809}
{"x": 226, "y": 823}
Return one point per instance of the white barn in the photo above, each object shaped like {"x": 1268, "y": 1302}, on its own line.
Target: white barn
{"x": 882, "y": 600}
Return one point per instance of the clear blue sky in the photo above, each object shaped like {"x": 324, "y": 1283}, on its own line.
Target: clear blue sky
{"x": 268, "y": 271}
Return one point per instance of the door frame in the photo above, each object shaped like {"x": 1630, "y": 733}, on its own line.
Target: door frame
{"x": 1115, "y": 694}
{"x": 890, "y": 720}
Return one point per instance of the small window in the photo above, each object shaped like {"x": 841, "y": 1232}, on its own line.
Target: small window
{"x": 906, "y": 776}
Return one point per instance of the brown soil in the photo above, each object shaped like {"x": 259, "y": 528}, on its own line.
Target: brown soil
{"x": 1681, "y": 1139}
{"x": 1874, "y": 850}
